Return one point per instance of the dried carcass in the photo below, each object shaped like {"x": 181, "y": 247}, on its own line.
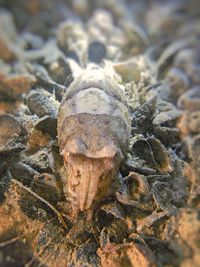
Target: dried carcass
{"x": 93, "y": 132}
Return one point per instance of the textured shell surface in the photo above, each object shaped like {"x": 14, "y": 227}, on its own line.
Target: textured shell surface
{"x": 93, "y": 132}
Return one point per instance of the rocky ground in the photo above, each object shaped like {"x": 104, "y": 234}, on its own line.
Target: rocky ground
{"x": 154, "y": 47}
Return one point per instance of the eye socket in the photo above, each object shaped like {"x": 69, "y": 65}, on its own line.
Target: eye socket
{"x": 78, "y": 174}
{"x": 101, "y": 177}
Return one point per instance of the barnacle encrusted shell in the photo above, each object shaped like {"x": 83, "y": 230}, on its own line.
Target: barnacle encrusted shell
{"x": 93, "y": 133}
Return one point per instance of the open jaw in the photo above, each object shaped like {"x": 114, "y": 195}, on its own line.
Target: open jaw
{"x": 88, "y": 179}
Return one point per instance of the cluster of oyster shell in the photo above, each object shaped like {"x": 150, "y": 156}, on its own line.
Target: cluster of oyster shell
{"x": 151, "y": 217}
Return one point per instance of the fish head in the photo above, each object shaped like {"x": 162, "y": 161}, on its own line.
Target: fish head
{"x": 89, "y": 173}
